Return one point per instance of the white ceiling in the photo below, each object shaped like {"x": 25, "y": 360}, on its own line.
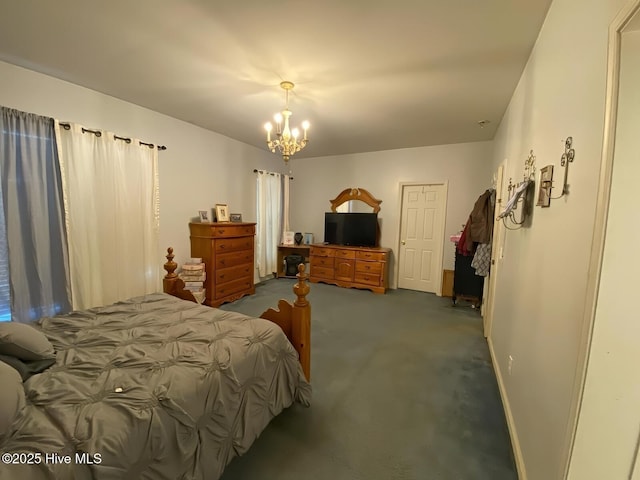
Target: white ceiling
{"x": 370, "y": 74}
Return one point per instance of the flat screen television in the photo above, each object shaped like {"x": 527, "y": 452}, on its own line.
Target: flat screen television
{"x": 355, "y": 229}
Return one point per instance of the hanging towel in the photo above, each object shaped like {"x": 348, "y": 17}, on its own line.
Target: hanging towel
{"x": 482, "y": 259}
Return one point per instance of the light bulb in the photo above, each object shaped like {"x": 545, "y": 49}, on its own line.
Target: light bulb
{"x": 268, "y": 127}
{"x": 295, "y": 132}
{"x": 305, "y": 125}
{"x": 278, "y": 117}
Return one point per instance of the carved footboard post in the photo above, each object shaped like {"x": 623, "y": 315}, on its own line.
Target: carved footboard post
{"x": 295, "y": 321}
{"x": 171, "y": 283}
{"x": 301, "y": 326}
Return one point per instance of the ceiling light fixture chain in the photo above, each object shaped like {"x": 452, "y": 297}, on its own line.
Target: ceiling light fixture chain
{"x": 286, "y": 141}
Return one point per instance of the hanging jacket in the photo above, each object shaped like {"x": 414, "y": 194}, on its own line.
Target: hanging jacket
{"x": 481, "y": 220}
{"x": 461, "y": 246}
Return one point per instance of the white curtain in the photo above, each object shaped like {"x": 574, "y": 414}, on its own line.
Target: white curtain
{"x": 269, "y": 221}
{"x": 112, "y": 213}
{"x": 285, "y": 204}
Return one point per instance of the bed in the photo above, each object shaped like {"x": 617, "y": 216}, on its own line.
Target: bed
{"x": 155, "y": 387}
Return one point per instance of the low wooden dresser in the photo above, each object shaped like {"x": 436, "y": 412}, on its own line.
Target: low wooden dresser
{"x": 352, "y": 267}
{"x": 228, "y": 254}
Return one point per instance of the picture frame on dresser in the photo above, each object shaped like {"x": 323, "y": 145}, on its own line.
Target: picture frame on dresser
{"x": 287, "y": 238}
{"x": 222, "y": 212}
{"x": 204, "y": 216}
{"x": 235, "y": 217}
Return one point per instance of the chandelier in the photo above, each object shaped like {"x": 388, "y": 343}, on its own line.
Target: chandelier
{"x": 286, "y": 141}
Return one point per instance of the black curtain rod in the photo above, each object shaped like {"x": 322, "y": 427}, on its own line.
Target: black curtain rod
{"x": 268, "y": 173}
{"x": 98, "y": 133}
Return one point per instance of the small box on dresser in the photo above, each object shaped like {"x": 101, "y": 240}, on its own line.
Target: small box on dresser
{"x": 227, "y": 250}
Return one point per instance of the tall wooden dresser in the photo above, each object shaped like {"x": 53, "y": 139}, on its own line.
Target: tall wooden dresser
{"x": 228, "y": 254}
{"x": 354, "y": 267}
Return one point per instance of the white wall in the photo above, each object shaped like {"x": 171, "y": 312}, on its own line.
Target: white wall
{"x": 466, "y": 168}
{"x": 199, "y": 168}
{"x": 541, "y": 285}
{"x": 609, "y": 422}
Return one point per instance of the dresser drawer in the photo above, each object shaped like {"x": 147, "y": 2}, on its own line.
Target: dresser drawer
{"x": 231, "y": 230}
{"x": 323, "y": 272}
{"x": 232, "y": 259}
{"x": 345, "y": 254}
{"x": 221, "y": 230}
{"x": 367, "y": 278}
{"x": 369, "y": 267}
{"x": 322, "y": 261}
{"x": 321, "y": 251}
{"x": 233, "y": 286}
{"x": 369, "y": 255}
{"x": 227, "y": 274}
{"x": 224, "y": 245}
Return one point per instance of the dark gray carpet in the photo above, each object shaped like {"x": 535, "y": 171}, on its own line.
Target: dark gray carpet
{"x": 403, "y": 388}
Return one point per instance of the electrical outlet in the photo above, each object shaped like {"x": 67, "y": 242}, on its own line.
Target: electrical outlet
{"x": 510, "y": 364}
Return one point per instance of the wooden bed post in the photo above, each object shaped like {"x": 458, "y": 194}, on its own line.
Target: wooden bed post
{"x": 171, "y": 283}
{"x": 295, "y": 320}
{"x": 301, "y": 331}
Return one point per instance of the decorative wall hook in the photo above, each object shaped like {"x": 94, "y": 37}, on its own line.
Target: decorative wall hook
{"x": 520, "y": 193}
{"x": 530, "y": 166}
{"x": 567, "y": 158}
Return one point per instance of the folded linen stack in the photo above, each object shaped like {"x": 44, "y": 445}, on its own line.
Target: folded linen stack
{"x": 193, "y": 275}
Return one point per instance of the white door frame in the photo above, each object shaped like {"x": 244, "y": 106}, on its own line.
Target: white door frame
{"x": 497, "y": 245}
{"x": 602, "y": 212}
{"x": 445, "y": 184}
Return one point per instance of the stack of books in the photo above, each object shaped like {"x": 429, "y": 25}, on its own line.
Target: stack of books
{"x": 193, "y": 276}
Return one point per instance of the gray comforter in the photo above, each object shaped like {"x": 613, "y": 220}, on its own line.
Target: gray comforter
{"x": 152, "y": 388}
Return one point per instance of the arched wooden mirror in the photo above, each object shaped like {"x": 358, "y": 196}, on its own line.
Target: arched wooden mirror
{"x": 356, "y": 200}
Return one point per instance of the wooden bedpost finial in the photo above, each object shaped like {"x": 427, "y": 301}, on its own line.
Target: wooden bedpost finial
{"x": 301, "y": 289}
{"x": 170, "y": 266}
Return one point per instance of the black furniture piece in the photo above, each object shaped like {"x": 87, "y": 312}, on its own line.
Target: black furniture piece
{"x": 466, "y": 284}
{"x": 291, "y": 264}
{"x": 283, "y": 252}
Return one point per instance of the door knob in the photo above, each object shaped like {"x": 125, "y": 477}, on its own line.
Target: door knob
{"x": 403, "y": 242}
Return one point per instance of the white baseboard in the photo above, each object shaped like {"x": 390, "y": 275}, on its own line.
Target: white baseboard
{"x": 515, "y": 442}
